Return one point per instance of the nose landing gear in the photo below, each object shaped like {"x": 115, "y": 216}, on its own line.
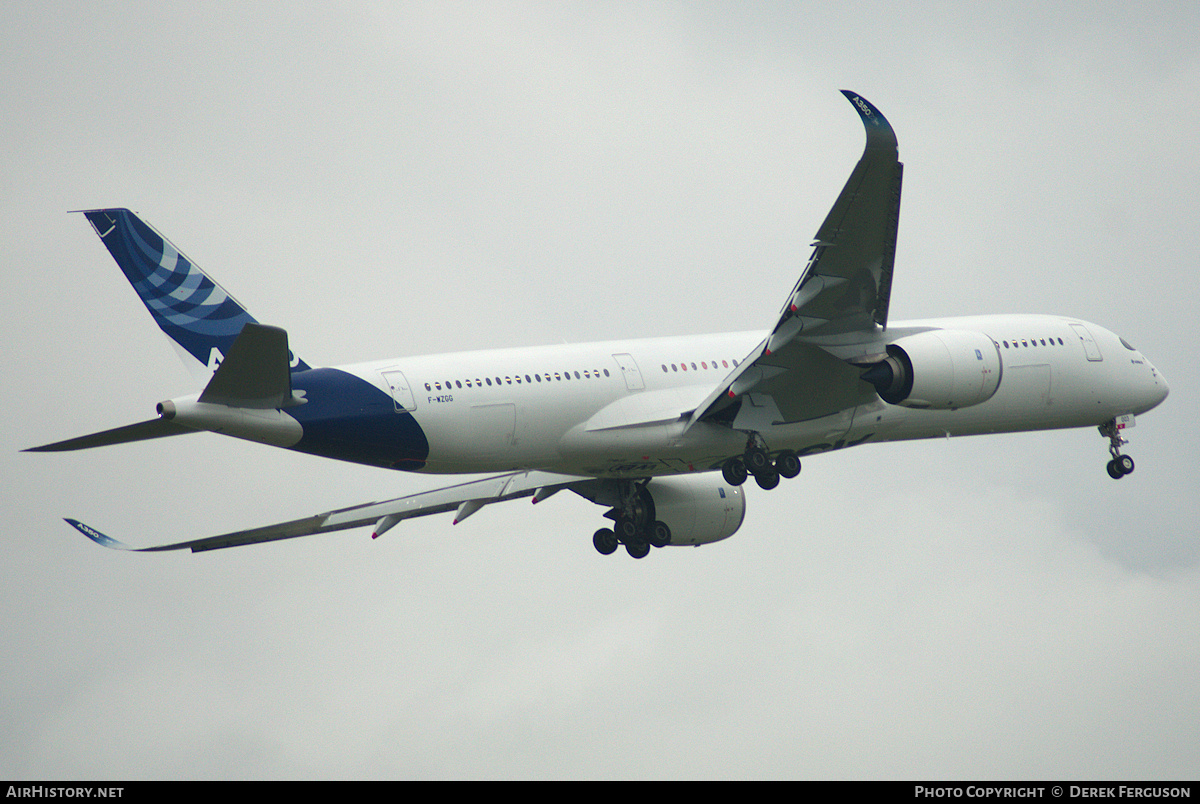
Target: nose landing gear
{"x": 1120, "y": 465}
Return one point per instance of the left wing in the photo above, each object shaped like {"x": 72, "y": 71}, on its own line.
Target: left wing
{"x": 841, "y": 297}
{"x": 465, "y": 498}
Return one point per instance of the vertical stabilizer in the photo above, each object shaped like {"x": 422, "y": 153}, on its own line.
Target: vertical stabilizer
{"x": 199, "y": 316}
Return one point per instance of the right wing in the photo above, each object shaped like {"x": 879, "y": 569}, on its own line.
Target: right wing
{"x": 465, "y": 498}
{"x": 841, "y": 297}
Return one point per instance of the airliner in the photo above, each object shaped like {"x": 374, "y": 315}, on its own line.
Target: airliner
{"x": 662, "y": 433}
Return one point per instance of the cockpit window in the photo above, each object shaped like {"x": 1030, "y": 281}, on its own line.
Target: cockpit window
{"x": 1127, "y": 345}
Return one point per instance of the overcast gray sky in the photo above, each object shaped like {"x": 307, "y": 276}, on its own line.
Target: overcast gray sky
{"x": 387, "y": 179}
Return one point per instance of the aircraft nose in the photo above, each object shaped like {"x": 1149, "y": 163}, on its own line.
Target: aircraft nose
{"x": 1159, "y": 388}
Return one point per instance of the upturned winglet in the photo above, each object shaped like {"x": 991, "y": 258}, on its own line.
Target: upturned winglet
{"x": 98, "y": 537}
{"x": 879, "y": 130}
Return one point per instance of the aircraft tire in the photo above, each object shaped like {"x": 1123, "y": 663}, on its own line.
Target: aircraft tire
{"x": 660, "y": 534}
{"x": 768, "y": 479}
{"x": 637, "y": 549}
{"x": 626, "y": 529}
{"x": 1114, "y": 470}
{"x": 605, "y": 542}
{"x": 734, "y": 472}
{"x": 787, "y": 464}
{"x": 757, "y": 461}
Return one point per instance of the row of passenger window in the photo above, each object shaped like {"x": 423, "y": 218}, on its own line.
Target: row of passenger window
{"x": 450, "y": 385}
{"x": 1028, "y": 342}
{"x": 704, "y": 365}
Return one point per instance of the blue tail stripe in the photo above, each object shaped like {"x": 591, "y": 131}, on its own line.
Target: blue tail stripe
{"x": 195, "y": 312}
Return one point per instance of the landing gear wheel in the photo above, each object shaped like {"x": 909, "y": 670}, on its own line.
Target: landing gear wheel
{"x": 660, "y": 534}
{"x": 734, "y": 472}
{"x": 605, "y": 541}
{"x": 787, "y": 464}
{"x": 626, "y": 530}
{"x": 1120, "y": 465}
{"x": 637, "y": 549}
{"x": 757, "y": 461}
{"x": 767, "y": 479}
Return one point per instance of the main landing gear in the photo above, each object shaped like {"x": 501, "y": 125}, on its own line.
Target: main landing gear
{"x": 1120, "y": 465}
{"x": 756, "y": 461}
{"x": 634, "y": 525}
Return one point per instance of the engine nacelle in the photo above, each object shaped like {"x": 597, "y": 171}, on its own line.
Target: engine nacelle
{"x": 698, "y": 508}
{"x": 941, "y": 369}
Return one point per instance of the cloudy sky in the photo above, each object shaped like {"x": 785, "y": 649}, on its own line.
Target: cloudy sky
{"x": 385, "y": 179}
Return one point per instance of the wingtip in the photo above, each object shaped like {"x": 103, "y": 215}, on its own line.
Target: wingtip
{"x": 879, "y": 131}
{"x": 96, "y": 536}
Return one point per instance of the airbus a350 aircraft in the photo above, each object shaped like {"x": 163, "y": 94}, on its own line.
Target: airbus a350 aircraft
{"x": 662, "y": 432}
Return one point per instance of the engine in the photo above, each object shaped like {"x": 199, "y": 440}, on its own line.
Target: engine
{"x": 941, "y": 369}
{"x": 698, "y": 508}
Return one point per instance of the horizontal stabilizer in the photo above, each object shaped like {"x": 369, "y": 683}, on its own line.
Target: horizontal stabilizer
{"x": 255, "y": 374}
{"x": 155, "y": 428}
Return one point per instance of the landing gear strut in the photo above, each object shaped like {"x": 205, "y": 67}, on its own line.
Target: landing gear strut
{"x": 1120, "y": 465}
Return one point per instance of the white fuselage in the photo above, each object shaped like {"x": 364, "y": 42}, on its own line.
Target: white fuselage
{"x": 621, "y": 408}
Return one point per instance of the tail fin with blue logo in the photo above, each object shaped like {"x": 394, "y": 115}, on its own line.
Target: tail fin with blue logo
{"x": 243, "y": 364}
{"x": 198, "y": 315}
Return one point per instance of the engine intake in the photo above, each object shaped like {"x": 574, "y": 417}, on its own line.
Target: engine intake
{"x": 941, "y": 369}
